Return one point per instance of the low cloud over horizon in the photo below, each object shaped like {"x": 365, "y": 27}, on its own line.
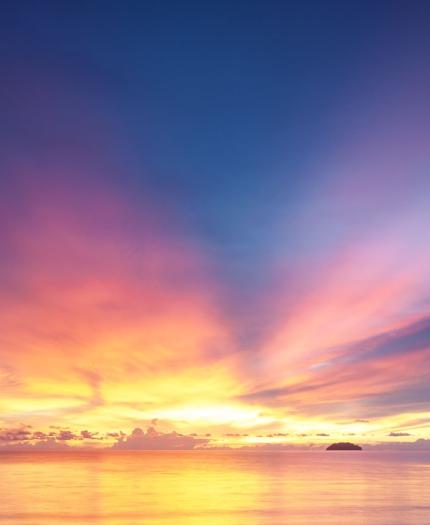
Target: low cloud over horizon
{"x": 25, "y": 439}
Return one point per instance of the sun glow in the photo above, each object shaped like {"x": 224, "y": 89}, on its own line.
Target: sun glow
{"x": 235, "y": 415}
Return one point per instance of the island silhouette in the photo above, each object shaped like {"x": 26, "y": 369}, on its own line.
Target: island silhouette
{"x": 344, "y": 446}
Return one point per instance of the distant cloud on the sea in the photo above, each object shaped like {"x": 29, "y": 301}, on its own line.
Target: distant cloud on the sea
{"x": 154, "y": 440}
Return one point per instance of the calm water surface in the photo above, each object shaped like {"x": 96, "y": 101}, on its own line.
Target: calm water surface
{"x": 215, "y": 488}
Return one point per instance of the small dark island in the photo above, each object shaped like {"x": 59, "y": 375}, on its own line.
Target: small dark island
{"x": 344, "y": 446}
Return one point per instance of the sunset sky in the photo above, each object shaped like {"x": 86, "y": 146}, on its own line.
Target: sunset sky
{"x": 214, "y": 224}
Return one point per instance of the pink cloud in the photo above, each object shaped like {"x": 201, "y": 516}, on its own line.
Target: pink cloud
{"x": 103, "y": 291}
{"x": 154, "y": 440}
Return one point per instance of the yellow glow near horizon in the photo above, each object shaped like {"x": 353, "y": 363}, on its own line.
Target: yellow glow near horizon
{"x": 237, "y": 416}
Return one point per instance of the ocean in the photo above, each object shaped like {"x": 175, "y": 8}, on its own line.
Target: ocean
{"x": 215, "y": 488}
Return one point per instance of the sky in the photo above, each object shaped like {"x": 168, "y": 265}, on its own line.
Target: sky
{"x": 214, "y": 224}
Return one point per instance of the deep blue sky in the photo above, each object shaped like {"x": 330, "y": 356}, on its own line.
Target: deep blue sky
{"x": 220, "y": 108}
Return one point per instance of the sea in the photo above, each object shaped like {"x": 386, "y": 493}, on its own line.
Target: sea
{"x": 217, "y": 487}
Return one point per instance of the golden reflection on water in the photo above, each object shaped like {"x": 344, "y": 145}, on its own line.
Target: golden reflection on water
{"x": 214, "y": 488}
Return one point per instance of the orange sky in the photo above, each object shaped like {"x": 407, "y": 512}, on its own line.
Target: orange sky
{"x": 112, "y": 318}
